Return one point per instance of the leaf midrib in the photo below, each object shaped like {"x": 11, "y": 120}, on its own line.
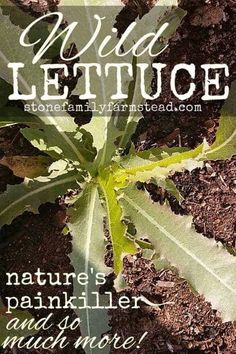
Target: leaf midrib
{"x": 91, "y": 205}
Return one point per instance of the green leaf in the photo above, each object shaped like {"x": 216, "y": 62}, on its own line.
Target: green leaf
{"x": 170, "y": 187}
{"x": 225, "y": 144}
{"x": 136, "y": 168}
{"x": 46, "y": 140}
{"x": 29, "y": 195}
{"x": 120, "y": 243}
{"x": 137, "y": 161}
{"x": 104, "y": 134}
{"x": 86, "y": 227}
{"x": 82, "y": 12}
{"x": 208, "y": 267}
{"x": 60, "y": 129}
{"x": 107, "y": 127}
{"x": 156, "y": 154}
{"x": 5, "y": 318}
{"x": 164, "y": 11}
{"x": 102, "y": 126}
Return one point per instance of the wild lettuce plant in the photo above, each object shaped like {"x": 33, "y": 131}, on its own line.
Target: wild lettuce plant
{"x": 100, "y": 164}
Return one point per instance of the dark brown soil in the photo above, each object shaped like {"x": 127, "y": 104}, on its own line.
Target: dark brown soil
{"x": 189, "y": 325}
{"x": 210, "y": 196}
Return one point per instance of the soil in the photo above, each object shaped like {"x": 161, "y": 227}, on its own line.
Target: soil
{"x": 189, "y": 325}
